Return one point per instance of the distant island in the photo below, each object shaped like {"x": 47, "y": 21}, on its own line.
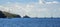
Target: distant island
{"x": 4, "y": 14}
{"x": 10, "y": 15}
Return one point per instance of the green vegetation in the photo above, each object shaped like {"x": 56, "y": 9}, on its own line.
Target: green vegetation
{"x": 9, "y": 15}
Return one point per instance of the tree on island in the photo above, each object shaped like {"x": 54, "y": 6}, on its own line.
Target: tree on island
{"x": 26, "y": 16}
{"x": 18, "y": 16}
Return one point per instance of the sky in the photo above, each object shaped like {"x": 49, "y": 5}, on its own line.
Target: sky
{"x": 32, "y": 8}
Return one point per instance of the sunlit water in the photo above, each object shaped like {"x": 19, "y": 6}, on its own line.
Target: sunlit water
{"x": 30, "y": 22}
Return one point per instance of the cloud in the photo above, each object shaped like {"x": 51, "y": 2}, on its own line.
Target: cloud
{"x": 52, "y": 8}
{"x": 41, "y": 2}
{"x": 48, "y": 9}
{"x": 29, "y": 9}
{"x": 53, "y": 2}
{"x": 17, "y": 8}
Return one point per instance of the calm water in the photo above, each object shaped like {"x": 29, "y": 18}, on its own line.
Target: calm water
{"x": 30, "y": 22}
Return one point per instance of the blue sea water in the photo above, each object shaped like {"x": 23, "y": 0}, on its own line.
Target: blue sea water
{"x": 30, "y": 22}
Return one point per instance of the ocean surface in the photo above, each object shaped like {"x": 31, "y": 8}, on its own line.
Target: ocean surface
{"x": 30, "y": 22}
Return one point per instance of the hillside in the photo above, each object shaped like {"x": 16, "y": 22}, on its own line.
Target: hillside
{"x": 10, "y": 15}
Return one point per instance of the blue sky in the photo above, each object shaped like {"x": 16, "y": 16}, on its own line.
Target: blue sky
{"x": 32, "y": 8}
{"x": 20, "y": 1}
{"x": 23, "y": 1}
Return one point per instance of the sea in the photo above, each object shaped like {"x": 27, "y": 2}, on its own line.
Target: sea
{"x": 30, "y": 22}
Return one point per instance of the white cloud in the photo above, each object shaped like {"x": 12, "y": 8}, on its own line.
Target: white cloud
{"x": 17, "y": 8}
{"x": 28, "y": 9}
{"x": 41, "y": 2}
{"x": 33, "y": 9}
{"x": 53, "y": 2}
{"x": 52, "y": 9}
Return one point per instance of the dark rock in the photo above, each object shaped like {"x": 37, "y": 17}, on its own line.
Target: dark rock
{"x": 18, "y": 16}
{"x": 2, "y": 15}
{"x": 26, "y": 16}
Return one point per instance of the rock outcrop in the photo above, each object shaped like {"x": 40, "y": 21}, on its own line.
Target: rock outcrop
{"x": 2, "y": 15}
